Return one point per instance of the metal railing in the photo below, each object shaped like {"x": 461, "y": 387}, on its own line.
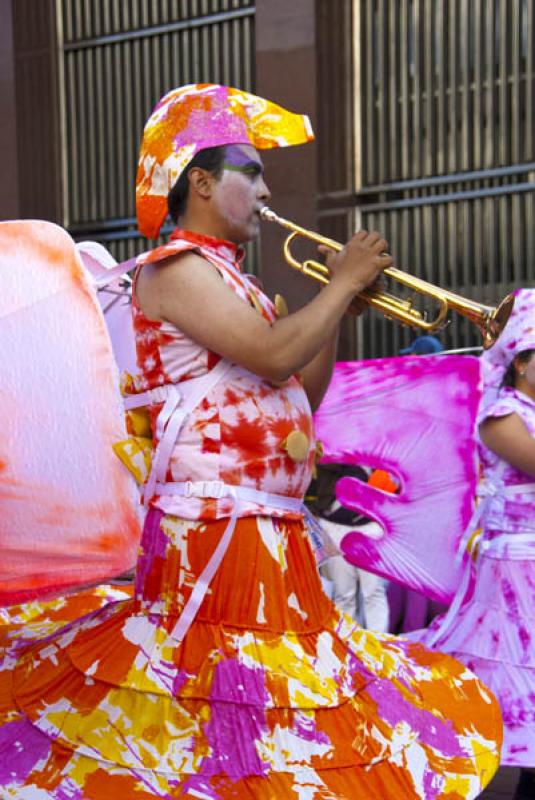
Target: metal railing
{"x": 443, "y": 101}
{"x": 117, "y": 59}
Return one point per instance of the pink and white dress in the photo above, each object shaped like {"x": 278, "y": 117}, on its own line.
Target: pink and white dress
{"x": 493, "y": 630}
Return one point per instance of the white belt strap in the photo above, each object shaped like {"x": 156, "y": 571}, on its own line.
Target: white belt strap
{"x": 513, "y": 546}
{"x": 218, "y": 489}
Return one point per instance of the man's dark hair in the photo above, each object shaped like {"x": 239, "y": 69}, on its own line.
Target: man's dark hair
{"x": 211, "y": 159}
{"x": 510, "y": 375}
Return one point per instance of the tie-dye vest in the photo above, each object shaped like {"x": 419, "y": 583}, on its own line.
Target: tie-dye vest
{"x": 238, "y": 433}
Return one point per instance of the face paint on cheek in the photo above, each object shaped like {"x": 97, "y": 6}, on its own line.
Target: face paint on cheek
{"x": 236, "y": 209}
{"x": 235, "y": 200}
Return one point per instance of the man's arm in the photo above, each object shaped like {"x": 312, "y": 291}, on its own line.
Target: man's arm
{"x": 317, "y": 374}
{"x": 189, "y": 292}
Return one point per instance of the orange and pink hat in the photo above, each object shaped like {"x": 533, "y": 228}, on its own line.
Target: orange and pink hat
{"x": 194, "y": 117}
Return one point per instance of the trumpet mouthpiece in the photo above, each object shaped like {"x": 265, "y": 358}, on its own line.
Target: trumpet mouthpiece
{"x": 267, "y": 214}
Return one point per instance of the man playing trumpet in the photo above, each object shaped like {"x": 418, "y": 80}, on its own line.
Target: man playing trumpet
{"x": 230, "y": 673}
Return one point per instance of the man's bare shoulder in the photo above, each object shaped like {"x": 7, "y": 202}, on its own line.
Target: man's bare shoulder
{"x": 177, "y": 265}
{"x": 175, "y": 271}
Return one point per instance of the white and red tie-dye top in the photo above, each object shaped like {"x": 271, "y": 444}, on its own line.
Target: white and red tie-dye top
{"x": 237, "y": 433}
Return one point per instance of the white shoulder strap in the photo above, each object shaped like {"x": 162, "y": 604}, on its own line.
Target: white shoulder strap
{"x": 180, "y": 401}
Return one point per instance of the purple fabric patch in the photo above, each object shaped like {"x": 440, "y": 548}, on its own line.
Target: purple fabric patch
{"x": 431, "y": 785}
{"x": 154, "y": 542}
{"x": 393, "y": 709}
{"x": 234, "y": 729}
{"x": 305, "y": 728}
{"x": 22, "y": 747}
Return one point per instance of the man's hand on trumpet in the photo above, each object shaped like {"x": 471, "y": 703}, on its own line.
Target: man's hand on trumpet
{"x": 358, "y": 305}
{"x": 360, "y": 263}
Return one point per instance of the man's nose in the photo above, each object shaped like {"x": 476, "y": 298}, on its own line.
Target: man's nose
{"x": 263, "y": 191}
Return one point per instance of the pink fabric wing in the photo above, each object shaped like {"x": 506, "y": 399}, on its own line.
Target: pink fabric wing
{"x": 68, "y": 506}
{"x": 415, "y": 418}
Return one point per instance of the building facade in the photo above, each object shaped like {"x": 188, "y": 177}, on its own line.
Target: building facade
{"x": 423, "y": 111}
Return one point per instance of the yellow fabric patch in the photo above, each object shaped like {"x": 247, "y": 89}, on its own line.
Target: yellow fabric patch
{"x": 136, "y": 454}
{"x": 138, "y": 423}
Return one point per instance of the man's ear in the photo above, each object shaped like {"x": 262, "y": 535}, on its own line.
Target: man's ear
{"x": 201, "y": 182}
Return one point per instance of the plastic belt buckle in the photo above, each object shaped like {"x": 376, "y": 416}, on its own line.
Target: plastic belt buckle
{"x": 207, "y": 489}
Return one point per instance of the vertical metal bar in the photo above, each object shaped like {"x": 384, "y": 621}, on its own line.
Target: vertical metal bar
{"x": 86, "y": 21}
{"x": 79, "y": 89}
{"x": 517, "y": 231}
{"x": 417, "y": 240}
{"x": 393, "y": 94}
{"x": 62, "y": 114}
{"x": 416, "y": 132}
{"x": 453, "y": 72}
{"x": 132, "y": 130}
{"x": 442, "y": 246}
{"x": 106, "y": 18}
{"x": 504, "y": 238}
{"x": 368, "y": 164}
{"x": 406, "y": 99}
{"x": 480, "y": 249}
{"x": 529, "y": 88}
{"x": 503, "y": 92}
{"x": 530, "y": 234}
{"x": 429, "y": 82}
{"x": 442, "y": 116}
{"x": 165, "y": 59}
{"x": 453, "y": 238}
{"x": 98, "y": 124}
{"x": 117, "y": 133}
{"x": 358, "y": 94}
{"x": 479, "y": 128}
{"x": 67, "y": 20}
{"x": 514, "y": 118}
{"x": 466, "y": 50}
{"x": 377, "y": 90}
{"x": 466, "y": 244}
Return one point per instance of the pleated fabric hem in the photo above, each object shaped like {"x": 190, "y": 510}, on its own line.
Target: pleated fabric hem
{"x": 486, "y": 632}
{"x": 514, "y": 687}
{"x": 32, "y": 769}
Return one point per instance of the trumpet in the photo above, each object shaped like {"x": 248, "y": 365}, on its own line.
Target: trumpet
{"x": 490, "y": 320}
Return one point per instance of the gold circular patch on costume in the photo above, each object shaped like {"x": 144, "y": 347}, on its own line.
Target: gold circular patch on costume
{"x": 297, "y": 445}
{"x": 281, "y": 307}
{"x": 255, "y": 302}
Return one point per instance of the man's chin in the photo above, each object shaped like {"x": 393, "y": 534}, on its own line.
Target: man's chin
{"x": 247, "y": 234}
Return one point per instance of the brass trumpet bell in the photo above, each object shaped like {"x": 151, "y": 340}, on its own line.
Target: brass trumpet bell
{"x": 489, "y": 320}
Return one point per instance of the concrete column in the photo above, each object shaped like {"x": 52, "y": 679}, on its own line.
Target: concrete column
{"x": 286, "y": 74}
{"x": 9, "y": 193}
{"x": 38, "y": 146}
